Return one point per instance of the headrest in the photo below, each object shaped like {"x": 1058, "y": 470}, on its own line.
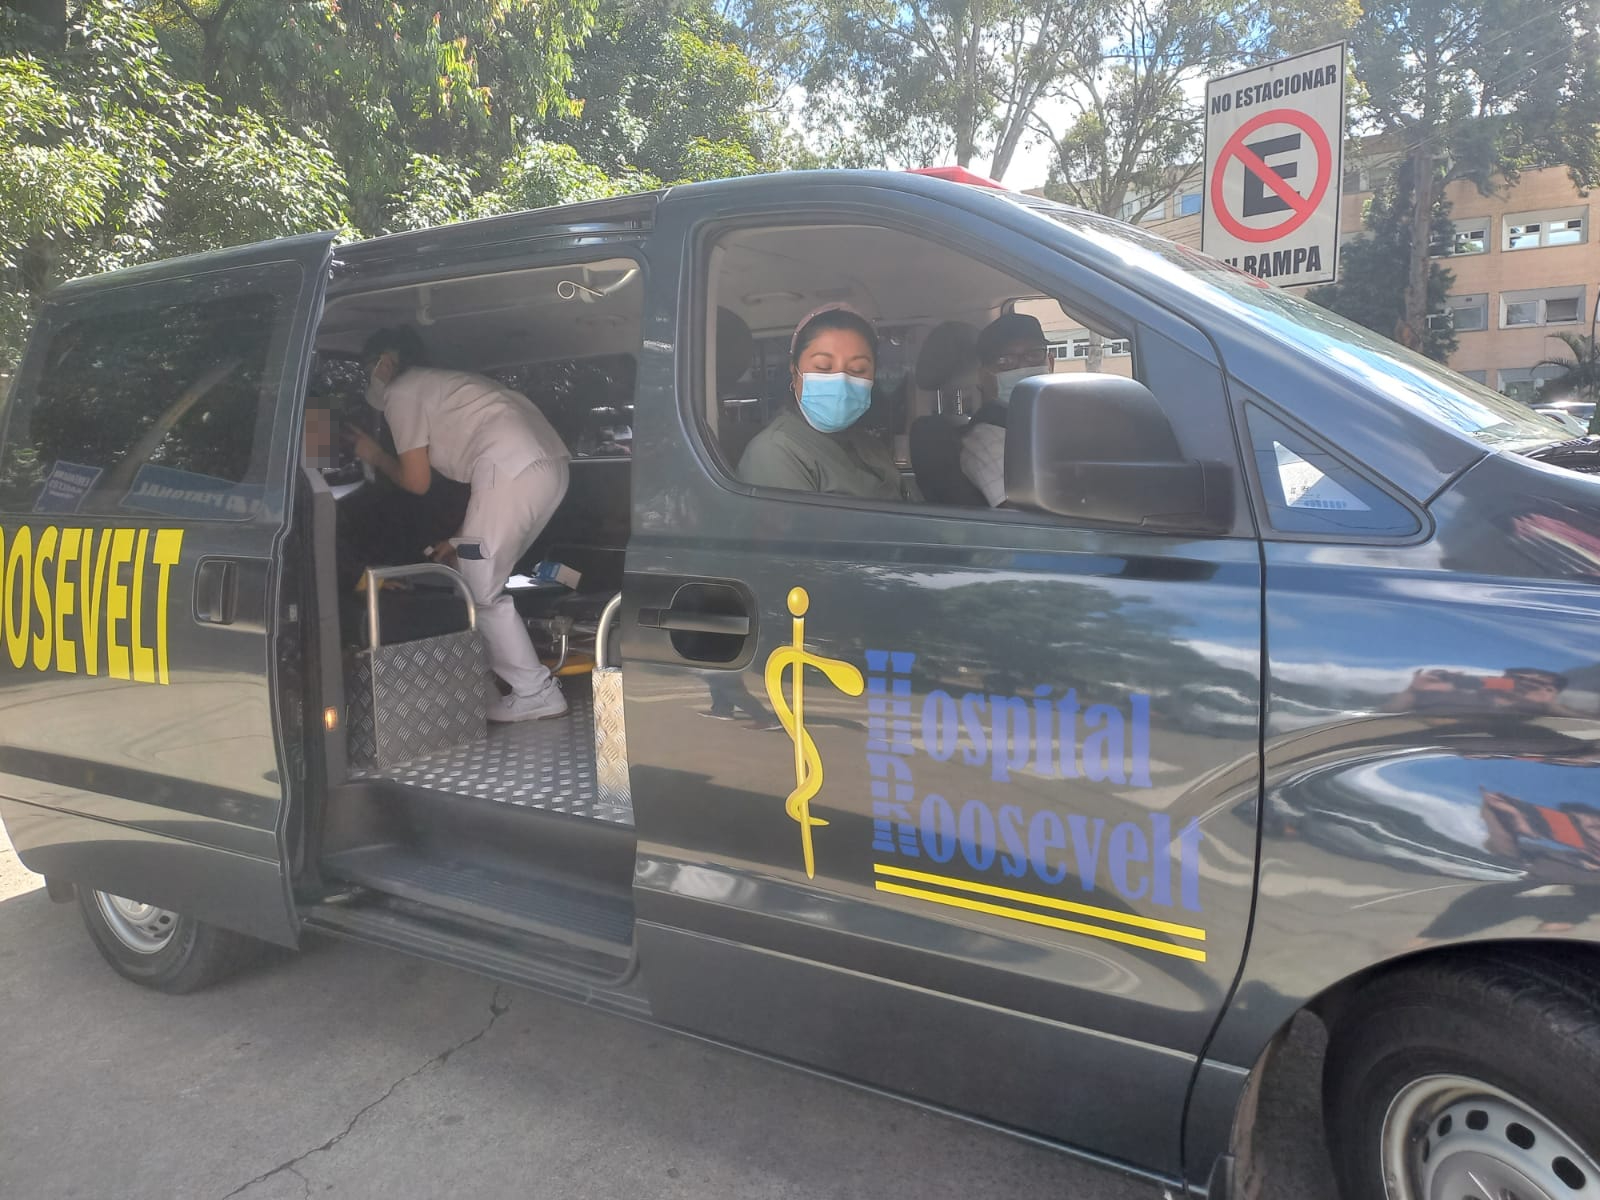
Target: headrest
{"x": 949, "y": 350}
{"x": 735, "y": 347}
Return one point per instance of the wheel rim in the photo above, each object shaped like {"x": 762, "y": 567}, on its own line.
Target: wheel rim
{"x": 142, "y": 928}
{"x": 1449, "y": 1137}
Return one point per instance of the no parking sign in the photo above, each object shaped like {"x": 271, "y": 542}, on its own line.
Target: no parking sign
{"x": 1274, "y": 150}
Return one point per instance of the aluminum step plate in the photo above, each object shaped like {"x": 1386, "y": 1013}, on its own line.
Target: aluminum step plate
{"x": 531, "y": 764}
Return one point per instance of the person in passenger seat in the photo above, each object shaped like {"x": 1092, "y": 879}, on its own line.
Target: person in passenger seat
{"x": 474, "y": 430}
{"x": 1010, "y": 349}
{"x": 815, "y": 446}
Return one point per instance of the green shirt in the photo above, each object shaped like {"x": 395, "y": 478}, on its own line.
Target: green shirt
{"x": 790, "y": 454}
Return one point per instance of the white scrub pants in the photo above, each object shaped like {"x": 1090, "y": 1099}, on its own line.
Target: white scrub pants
{"x": 504, "y": 517}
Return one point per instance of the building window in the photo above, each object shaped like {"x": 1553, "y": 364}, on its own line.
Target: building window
{"x": 1550, "y": 306}
{"x": 1526, "y": 383}
{"x": 1112, "y": 347}
{"x": 1189, "y": 204}
{"x": 1464, "y": 314}
{"x": 1467, "y": 237}
{"x": 1561, "y": 227}
{"x": 1357, "y": 180}
{"x": 1476, "y": 376}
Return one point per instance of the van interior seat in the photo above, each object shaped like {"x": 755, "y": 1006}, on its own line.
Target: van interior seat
{"x": 948, "y": 353}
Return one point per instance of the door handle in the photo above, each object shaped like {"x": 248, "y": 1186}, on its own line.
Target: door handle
{"x": 216, "y": 591}
{"x": 680, "y": 620}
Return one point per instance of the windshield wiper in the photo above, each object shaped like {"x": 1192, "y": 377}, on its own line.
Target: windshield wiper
{"x": 1580, "y": 454}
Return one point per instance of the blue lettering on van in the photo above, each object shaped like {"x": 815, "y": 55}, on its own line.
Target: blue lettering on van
{"x": 1044, "y": 732}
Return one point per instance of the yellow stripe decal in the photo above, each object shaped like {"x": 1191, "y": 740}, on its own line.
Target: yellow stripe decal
{"x": 996, "y": 910}
{"x": 1087, "y": 910}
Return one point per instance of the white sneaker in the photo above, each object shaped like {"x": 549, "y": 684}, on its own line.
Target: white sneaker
{"x": 538, "y": 707}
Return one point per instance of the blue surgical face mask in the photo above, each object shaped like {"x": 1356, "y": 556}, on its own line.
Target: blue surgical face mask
{"x": 831, "y": 403}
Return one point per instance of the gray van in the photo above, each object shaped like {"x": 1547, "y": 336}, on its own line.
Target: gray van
{"x": 1266, "y": 691}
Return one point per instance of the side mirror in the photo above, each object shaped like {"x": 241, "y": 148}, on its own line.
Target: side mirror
{"x": 1099, "y": 448}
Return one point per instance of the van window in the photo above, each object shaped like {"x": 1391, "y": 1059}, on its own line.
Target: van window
{"x": 954, "y": 334}
{"x": 1310, "y": 491}
{"x": 588, "y": 400}
{"x": 164, "y": 408}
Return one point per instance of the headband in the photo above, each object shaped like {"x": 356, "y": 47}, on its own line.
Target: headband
{"x": 835, "y": 306}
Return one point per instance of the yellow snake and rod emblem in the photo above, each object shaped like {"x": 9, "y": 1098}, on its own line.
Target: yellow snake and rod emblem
{"x": 807, "y": 759}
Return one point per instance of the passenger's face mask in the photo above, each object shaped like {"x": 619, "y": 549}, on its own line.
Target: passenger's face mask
{"x": 831, "y": 403}
{"x": 1005, "y": 381}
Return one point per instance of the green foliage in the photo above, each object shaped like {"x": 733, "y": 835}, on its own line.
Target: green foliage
{"x": 1373, "y": 269}
{"x": 661, "y": 86}
{"x": 546, "y": 173}
{"x": 1580, "y": 373}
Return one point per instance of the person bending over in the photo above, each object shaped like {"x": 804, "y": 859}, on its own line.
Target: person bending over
{"x": 474, "y": 430}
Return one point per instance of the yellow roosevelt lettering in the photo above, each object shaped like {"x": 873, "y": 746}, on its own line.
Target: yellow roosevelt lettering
{"x": 117, "y": 604}
{"x": 92, "y": 597}
{"x": 144, "y": 662}
{"x": 66, "y": 598}
{"x": 169, "y": 545}
{"x": 42, "y": 641}
{"x": 18, "y": 603}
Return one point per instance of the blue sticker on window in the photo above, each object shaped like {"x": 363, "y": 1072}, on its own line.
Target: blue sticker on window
{"x": 175, "y": 493}
{"x": 65, "y": 487}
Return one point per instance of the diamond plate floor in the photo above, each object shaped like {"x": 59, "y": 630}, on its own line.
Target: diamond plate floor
{"x": 530, "y": 764}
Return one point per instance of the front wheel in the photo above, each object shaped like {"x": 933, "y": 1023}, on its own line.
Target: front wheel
{"x": 161, "y": 949}
{"x": 1476, "y": 1079}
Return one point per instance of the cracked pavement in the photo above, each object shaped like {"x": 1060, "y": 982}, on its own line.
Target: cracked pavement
{"x": 350, "y": 1072}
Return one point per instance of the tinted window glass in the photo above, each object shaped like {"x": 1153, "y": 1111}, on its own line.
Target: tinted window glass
{"x": 1309, "y": 490}
{"x": 162, "y": 408}
{"x": 588, "y": 400}
{"x": 1346, "y": 347}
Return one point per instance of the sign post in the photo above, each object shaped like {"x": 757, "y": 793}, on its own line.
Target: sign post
{"x": 1274, "y": 162}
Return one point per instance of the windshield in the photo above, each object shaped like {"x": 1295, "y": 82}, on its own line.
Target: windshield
{"x": 1424, "y": 385}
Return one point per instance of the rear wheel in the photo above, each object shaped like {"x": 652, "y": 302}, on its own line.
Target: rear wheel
{"x": 1469, "y": 1080}
{"x": 161, "y": 949}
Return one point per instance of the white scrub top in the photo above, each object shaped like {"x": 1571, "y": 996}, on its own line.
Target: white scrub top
{"x": 467, "y": 421}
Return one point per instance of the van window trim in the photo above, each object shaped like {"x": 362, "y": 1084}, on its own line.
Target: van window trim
{"x": 1246, "y": 398}
{"x": 694, "y": 367}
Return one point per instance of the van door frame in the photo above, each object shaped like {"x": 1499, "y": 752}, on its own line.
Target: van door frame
{"x": 203, "y": 857}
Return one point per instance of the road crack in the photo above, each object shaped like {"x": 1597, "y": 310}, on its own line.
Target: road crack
{"x": 497, "y": 1009}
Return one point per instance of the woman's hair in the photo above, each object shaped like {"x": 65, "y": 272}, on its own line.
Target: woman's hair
{"x": 832, "y": 318}
{"x": 401, "y": 341}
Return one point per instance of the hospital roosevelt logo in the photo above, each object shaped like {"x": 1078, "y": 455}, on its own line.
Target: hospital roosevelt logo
{"x": 1013, "y": 857}
{"x": 795, "y": 658}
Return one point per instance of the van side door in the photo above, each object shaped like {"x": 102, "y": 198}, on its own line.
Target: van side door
{"x": 145, "y": 457}
{"x": 999, "y": 855}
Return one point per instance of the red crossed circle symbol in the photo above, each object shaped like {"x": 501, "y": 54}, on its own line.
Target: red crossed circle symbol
{"x": 1300, "y": 207}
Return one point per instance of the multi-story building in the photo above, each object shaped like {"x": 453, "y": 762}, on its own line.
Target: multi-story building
{"x": 1525, "y": 261}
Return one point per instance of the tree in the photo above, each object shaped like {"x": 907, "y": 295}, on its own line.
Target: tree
{"x": 916, "y": 82}
{"x": 384, "y": 80}
{"x": 1477, "y": 89}
{"x": 1580, "y": 373}
{"x": 1373, "y": 269}
{"x": 107, "y": 158}
{"x": 662, "y": 86}
{"x": 1132, "y": 77}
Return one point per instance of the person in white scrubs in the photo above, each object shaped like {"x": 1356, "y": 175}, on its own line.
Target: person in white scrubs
{"x": 476, "y": 431}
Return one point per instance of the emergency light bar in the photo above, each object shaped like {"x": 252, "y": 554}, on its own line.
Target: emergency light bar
{"x": 958, "y": 175}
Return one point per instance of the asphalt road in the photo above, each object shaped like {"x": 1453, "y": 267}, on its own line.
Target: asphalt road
{"x": 351, "y": 1072}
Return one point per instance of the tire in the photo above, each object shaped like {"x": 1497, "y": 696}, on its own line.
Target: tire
{"x": 162, "y": 950}
{"x": 1469, "y": 1079}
